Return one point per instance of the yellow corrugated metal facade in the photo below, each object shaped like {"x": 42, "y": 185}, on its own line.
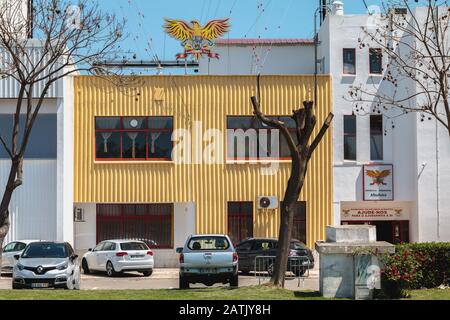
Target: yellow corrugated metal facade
{"x": 209, "y": 99}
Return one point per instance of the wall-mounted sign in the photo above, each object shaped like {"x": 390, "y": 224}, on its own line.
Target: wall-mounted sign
{"x": 378, "y": 182}
{"x": 195, "y": 39}
{"x": 360, "y": 211}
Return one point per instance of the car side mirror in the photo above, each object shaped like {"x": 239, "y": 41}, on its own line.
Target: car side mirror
{"x": 179, "y": 250}
{"x": 90, "y": 249}
{"x": 73, "y": 257}
{"x": 17, "y": 256}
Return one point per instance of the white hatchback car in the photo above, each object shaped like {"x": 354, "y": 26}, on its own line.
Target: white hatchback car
{"x": 116, "y": 256}
{"x": 9, "y": 251}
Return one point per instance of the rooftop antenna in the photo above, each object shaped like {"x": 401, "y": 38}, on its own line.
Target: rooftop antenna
{"x": 322, "y": 11}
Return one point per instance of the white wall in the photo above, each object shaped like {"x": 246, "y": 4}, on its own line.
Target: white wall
{"x": 85, "y": 233}
{"x": 65, "y": 166}
{"x": 399, "y": 143}
{"x": 33, "y": 205}
{"x": 407, "y": 146}
{"x": 275, "y": 59}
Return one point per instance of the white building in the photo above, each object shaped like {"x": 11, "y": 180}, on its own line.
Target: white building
{"x": 42, "y": 207}
{"x": 415, "y": 202}
{"x": 265, "y": 56}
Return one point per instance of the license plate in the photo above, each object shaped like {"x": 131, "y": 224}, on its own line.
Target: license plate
{"x": 136, "y": 257}
{"x": 208, "y": 270}
{"x": 39, "y": 285}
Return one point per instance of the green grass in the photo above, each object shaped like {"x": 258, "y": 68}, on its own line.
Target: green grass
{"x": 429, "y": 294}
{"x": 245, "y": 293}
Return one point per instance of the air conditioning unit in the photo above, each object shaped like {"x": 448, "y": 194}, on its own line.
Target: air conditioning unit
{"x": 265, "y": 202}
{"x": 78, "y": 215}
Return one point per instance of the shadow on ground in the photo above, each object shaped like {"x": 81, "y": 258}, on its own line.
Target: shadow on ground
{"x": 100, "y": 274}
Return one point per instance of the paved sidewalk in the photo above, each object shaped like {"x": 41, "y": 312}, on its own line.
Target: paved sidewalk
{"x": 167, "y": 279}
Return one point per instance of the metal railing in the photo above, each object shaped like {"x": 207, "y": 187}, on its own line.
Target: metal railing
{"x": 298, "y": 268}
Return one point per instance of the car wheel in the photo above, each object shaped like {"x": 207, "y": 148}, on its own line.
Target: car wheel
{"x": 245, "y": 272}
{"x": 147, "y": 273}
{"x": 234, "y": 282}
{"x": 110, "y": 272}
{"x": 85, "y": 267}
{"x": 184, "y": 284}
{"x": 299, "y": 272}
{"x": 16, "y": 286}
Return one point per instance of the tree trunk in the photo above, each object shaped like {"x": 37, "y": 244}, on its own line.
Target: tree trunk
{"x": 3, "y": 232}
{"x": 16, "y": 167}
{"x": 292, "y": 194}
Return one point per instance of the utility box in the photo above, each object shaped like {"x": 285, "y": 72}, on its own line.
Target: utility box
{"x": 347, "y": 267}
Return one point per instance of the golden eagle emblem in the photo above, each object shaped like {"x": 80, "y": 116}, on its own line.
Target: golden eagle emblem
{"x": 378, "y": 176}
{"x": 195, "y": 39}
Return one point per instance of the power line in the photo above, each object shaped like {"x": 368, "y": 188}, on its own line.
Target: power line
{"x": 207, "y": 11}
{"x": 365, "y": 4}
{"x": 283, "y": 18}
{"x": 263, "y": 10}
{"x": 232, "y": 7}
{"x": 217, "y": 8}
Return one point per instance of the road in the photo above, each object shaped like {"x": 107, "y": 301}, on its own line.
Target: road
{"x": 166, "y": 279}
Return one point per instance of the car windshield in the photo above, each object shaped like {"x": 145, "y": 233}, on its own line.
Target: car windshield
{"x": 208, "y": 243}
{"x": 45, "y": 250}
{"x": 133, "y": 246}
{"x": 297, "y": 245}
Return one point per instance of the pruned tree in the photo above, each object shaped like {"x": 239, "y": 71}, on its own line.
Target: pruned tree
{"x": 416, "y": 45}
{"x": 301, "y": 147}
{"x": 70, "y": 36}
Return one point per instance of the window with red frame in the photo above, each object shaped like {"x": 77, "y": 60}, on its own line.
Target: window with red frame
{"x": 240, "y": 221}
{"x": 133, "y": 138}
{"x": 299, "y": 224}
{"x": 150, "y": 222}
{"x": 249, "y": 139}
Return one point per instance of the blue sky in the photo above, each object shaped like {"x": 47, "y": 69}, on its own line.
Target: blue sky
{"x": 249, "y": 18}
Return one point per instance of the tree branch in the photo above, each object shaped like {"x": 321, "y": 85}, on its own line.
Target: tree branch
{"x": 321, "y": 134}
{"x": 6, "y": 147}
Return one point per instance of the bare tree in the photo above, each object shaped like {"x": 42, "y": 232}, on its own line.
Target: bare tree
{"x": 416, "y": 45}
{"x": 72, "y": 35}
{"x": 301, "y": 151}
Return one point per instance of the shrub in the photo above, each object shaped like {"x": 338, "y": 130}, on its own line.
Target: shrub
{"x": 415, "y": 266}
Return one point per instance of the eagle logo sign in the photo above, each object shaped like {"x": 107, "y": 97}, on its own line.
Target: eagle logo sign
{"x": 378, "y": 176}
{"x": 195, "y": 39}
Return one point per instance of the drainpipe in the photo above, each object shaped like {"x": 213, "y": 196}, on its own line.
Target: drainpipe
{"x": 316, "y": 43}
{"x": 438, "y": 208}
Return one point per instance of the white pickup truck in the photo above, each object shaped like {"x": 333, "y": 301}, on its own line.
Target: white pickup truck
{"x": 208, "y": 259}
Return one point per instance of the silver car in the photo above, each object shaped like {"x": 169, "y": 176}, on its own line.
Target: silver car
{"x": 116, "y": 256}
{"x": 9, "y": 251}
{"x": 208, "y": 259}
{"x": 47, "y": 265}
